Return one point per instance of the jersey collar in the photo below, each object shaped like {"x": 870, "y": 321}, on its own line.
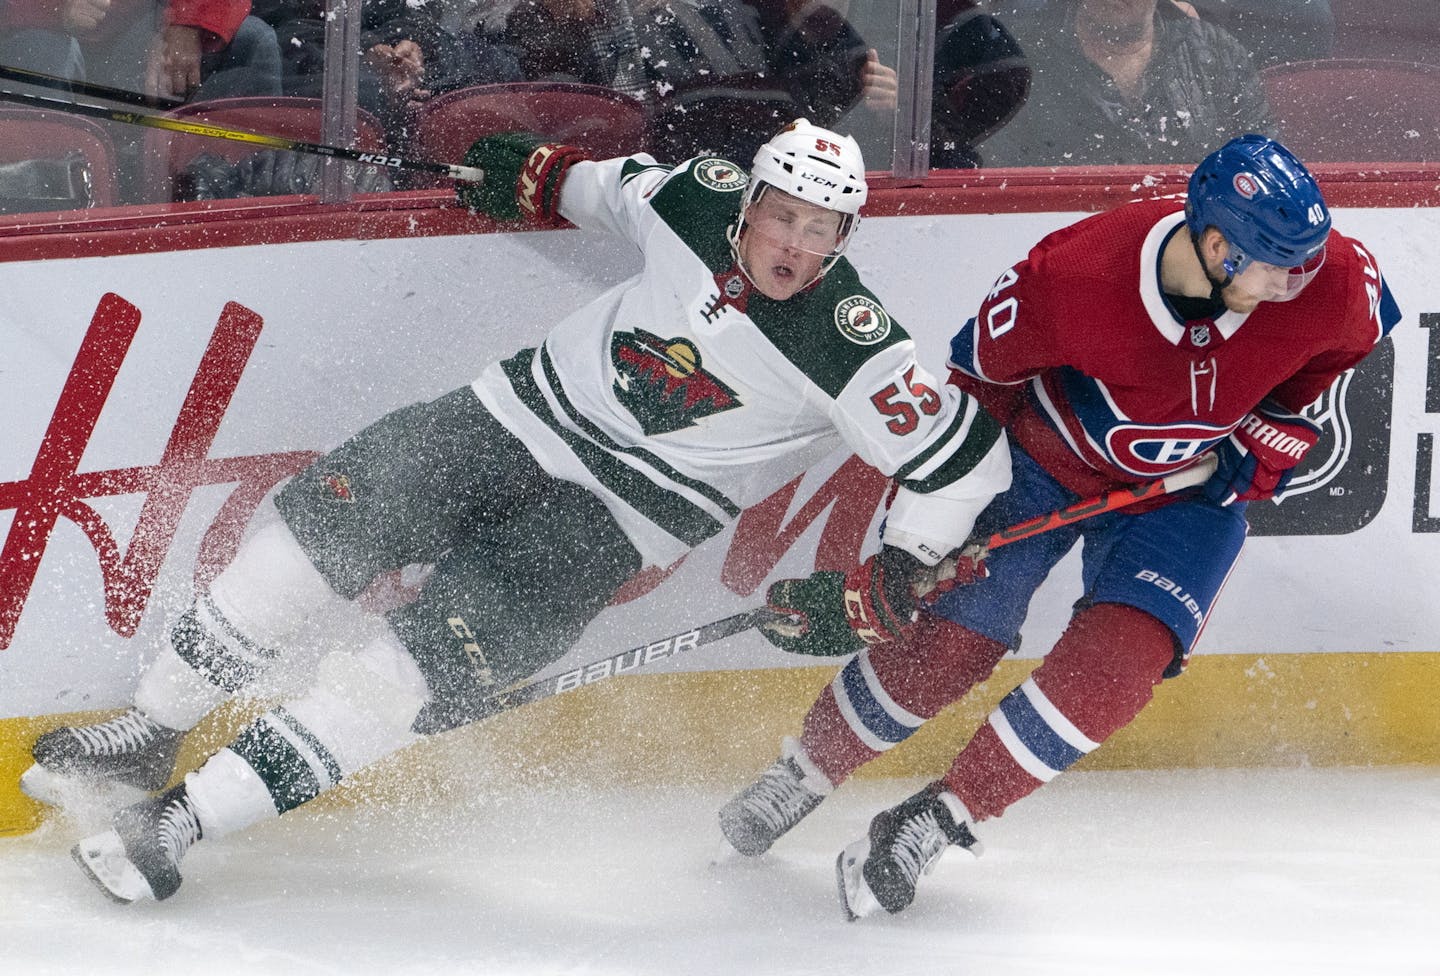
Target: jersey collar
{"x": 1162, "y": 316}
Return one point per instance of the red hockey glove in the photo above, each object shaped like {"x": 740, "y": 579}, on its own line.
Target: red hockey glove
{"x": 1258, "y": 460}
{"x": 522, "y": 176}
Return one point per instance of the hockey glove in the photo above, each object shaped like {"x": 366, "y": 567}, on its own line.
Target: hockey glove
{"x": 839, "y": 613}
{"x": 522, "y": 176}
{"x": 957, "y": 569}
{"x": 1258, "y": 460}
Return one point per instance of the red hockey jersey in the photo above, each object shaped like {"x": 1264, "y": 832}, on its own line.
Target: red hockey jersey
{"x": 1094, "y": 374}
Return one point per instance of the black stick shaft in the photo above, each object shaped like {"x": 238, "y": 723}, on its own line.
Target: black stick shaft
{"x": 43, "y": 80}
{"x": 585, "y": 675}
{"x": 470, "y": 174}
{"x": 667, "y": 647}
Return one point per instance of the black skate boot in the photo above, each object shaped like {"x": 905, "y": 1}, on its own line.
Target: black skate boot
{"x": 881, "y": 869}
{"x": 774, "y": 803}
{"x": 132, "y": 754}
{"x": 139, "y": 857}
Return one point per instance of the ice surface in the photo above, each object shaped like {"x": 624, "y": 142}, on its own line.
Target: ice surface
{"x": 1305, "y": 871}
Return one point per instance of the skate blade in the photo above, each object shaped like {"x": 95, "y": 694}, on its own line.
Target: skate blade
{"x": 726, "y": 857}
{"x": 856, "y": 899}
{"x": 72, "y": 793}
{"x": 104, "y": 861}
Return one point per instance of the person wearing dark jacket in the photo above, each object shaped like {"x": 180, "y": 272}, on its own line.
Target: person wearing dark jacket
{"x": 1128, "y": 82}
{"x": 406, "y": 55}
{"x": 718, "y": 76}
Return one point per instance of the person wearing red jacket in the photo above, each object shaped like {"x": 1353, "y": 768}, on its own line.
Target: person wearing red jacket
{"x": 185, "y": 49}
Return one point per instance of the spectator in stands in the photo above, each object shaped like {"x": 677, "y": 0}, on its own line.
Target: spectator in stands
{"x": 720, "y": 76}
{"x": 1273, "y": 31}
{"x": 39, "y": 35}
{"x": 183, "y": 49}
{"x": 408, "y": 54}
{"x": 1128, "y": 81}
{"x": 269, "y": 172}
{"x": 981, "y": 79}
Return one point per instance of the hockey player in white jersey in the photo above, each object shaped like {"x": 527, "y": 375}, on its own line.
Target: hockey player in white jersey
{"x": 744, "y": 350}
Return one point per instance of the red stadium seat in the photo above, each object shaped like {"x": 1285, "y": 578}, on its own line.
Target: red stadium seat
{"x": 1400, "y": 30}
{"x": 605, "y": 122}
{"x": 1346, "y": 110}
{"x": 166, "y": 153}
{"x": 37, "y": 134}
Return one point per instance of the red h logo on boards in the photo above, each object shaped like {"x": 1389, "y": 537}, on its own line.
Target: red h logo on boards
{"x": 56, "y": 489}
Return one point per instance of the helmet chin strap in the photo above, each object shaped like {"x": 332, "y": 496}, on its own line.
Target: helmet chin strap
{"x": 1217, "y": 285}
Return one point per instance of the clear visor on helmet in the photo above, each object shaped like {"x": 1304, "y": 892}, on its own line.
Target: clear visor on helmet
{"x": 1272, "y": 282}
{"x": 790, "y": 223}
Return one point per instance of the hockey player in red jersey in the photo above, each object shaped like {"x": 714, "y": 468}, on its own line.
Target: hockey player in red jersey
{"x": 1121, "y": 349}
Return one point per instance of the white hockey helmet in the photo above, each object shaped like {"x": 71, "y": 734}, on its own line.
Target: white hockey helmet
{"x": 815, "y": 165}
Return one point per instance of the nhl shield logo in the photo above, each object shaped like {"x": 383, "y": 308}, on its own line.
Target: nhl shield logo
{"x": 720, "y": 174}
{"x": 1342, "y": 483}
{"x": 861, "y": 320}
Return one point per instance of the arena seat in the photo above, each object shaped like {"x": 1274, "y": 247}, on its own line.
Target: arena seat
{"x": 167, "y": 153}
{"x": 75, "y": 162}
{"x": 1400, "y": 30}
{"x": 606, "y": 122}
{"x": 1357, "y": 110}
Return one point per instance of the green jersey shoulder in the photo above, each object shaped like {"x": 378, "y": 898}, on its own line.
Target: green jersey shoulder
{"x": 830, "y": 330}
{"x": 699, "y": 203}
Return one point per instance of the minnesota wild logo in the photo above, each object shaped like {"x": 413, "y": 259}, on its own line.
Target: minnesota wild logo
{"x": 720, "y": 174}
{"x": 663, "y": 383}
{"x": 861, "y": 320}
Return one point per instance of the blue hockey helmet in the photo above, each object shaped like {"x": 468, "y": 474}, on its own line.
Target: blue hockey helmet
{"x": 1266, "y": 203}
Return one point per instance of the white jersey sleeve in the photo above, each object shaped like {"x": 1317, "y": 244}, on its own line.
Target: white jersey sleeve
{"x": 610, "y": 195}
{"x": 948, "y": 457}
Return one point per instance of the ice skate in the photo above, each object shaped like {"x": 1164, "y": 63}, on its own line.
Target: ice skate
{"x": 759, "y": 814}
{"x": 881, "y": 869}
{"x": 124, "y": 758}
{"x": 139, "y": 856}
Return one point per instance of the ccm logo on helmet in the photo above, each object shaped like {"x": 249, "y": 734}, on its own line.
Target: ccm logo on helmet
{"x": 817, "y": 178}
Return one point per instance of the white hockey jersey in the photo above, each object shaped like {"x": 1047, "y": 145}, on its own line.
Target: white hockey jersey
{"x": 682, "y": 396}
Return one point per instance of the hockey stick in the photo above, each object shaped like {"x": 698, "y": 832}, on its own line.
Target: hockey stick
{"x": 470, "y": 174}
{"x": 432, "y": 722}
{"x": 1111, "y": 501}
{"x": 43, "y": 80}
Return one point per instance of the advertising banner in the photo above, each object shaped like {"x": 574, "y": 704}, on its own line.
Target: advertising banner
{"x": 152, "y": 401}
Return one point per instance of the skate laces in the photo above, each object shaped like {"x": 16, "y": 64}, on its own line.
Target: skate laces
{"x": 919, "y": 841}
{"x": 178, "y": 828}
{"x": 779, "y": 797}
{"x": 130, "y": 732}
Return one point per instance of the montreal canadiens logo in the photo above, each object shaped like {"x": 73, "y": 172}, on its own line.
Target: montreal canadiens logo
{"x": 1150, "y": 452}
{"x": 720, "y": 174}
{"x": 1245, "y": 185}
{"x": 862, "y": 321}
